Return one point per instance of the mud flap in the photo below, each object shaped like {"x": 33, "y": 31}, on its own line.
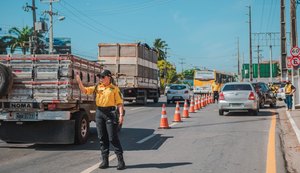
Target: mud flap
{"x": 40, "y": 132}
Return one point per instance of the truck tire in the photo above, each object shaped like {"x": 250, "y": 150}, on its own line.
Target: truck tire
{"x": 82, "y": 127}
{"x": 6, "y": 80}
{"x": 155, "y": 100}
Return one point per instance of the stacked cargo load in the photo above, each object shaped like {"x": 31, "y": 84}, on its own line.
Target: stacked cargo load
{"x": 134, "y": 67}
{"x": 43, "y": 88}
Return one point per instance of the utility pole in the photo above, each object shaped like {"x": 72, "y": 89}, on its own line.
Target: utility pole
{"x": 243, "y": 61}
{"x": 283, "y": 40}
{"x": 293, "y": 41}
{"x": 33, "y": 8}
{"x": 250, "y": 47}
{"x": 238, "y": 58}
{"x": 50, "y": 12}
{"x": 258, "y": 62}
{"x": 181, "y": 63}
{"x": 165, "y": 67}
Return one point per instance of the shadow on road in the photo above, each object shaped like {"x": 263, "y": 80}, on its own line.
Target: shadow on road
{"x": 128, "y": 136}
{"x": 157, "y": 165}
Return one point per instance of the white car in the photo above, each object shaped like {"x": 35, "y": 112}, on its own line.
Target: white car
{"x": 280, "y": 95}
{"x": 179, "y": 92}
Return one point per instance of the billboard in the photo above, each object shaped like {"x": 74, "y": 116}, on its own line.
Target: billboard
{"x": 61, "y": 45}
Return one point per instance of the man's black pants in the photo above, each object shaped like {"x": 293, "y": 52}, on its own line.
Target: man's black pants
{"x": 216, "y": 96}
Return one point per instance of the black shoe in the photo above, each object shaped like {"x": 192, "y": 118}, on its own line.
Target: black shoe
{"x": 104, "y": 164}
{"x": 121, "y": 163}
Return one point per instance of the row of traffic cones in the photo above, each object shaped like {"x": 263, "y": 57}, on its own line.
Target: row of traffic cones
{"x": 195, "y": 105}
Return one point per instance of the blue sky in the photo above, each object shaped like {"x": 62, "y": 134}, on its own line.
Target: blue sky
{"x": 200, "y": 33}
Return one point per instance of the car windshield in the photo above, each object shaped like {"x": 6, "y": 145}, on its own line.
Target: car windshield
{"x": 237, "y": 87}
{"x": 178, "y": 87}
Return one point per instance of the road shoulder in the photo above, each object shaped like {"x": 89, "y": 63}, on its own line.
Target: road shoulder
{"x": 290, "y": 144}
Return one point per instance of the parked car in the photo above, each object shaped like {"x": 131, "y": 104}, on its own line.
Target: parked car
{"x": 280, "y": 95}
{"x": 265, "y": 94}
{"x": 238, "y": 96}
{"x": 179, "y": 92}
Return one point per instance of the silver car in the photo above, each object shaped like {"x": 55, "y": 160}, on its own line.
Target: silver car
{"x": 238, "y": 96}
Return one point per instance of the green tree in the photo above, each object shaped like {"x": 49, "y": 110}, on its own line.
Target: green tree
{"x": 19, "y": 38}
{"x": 159, "y": 45}
{"x": 3, "y": 45}
{"x": 188, "y": 74}
{"x": 169, "y": 73}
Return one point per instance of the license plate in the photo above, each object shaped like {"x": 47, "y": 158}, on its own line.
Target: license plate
{"x": 21, "y": 105}
{"x": 236, "y": 105}
{"x": 25, "y": 115}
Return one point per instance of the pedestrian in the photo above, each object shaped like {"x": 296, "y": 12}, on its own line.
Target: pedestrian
{"x": 289, "y": 90}
{"x": 108, "y": 97}
{"x": 215, "y": 87}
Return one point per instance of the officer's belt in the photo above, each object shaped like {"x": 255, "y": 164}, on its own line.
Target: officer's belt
{"x": 108, "y": 108}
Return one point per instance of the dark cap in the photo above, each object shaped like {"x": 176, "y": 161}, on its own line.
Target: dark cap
{"x": 104, "y": 73}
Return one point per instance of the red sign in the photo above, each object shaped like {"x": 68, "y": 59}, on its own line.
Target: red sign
{"x": 288, "y": 62}
{"x": 295, "y": 61}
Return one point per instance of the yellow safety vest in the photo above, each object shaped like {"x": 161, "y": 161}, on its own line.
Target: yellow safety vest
{"x": 288, "y": 88}
{"x": 106, "y": 95}
{"x": 215, "y": 87}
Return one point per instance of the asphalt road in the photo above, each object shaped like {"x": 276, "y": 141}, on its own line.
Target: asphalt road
{"x": 206, "y": 143}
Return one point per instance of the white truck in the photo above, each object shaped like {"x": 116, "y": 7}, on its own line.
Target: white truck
{"x": 134, "y": 66}
{"x": 40, "y": 101}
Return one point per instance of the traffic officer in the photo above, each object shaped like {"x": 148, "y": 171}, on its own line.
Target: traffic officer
{"x": 215, "y": 87}
{"x": 289, "y": 90}
{"x": 108, "y": 97}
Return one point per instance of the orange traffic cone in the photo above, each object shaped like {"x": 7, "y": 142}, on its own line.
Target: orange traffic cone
{"x": 185, "y": 113}
{"x": 202, "y": 102}
{"x": 196, "y": 104}
{"x": 164, "y": 119}
{"x": 177, "y": 117}
{"x": 192, "y": 110}
{"x": 199, "y": 103}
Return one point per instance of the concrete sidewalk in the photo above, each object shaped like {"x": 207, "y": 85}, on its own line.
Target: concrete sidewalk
{"x": 289, "y": 123}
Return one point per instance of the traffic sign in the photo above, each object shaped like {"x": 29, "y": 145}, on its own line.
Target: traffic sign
{"x": 288, "y": 62}
{"x": 295, "y": 51}
{"x": 295, "y": 61}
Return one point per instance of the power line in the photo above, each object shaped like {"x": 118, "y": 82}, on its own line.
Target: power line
{"x": 129, "y": 8}
{"x": 86, "y": 24}
{"x": 93, "y": 20}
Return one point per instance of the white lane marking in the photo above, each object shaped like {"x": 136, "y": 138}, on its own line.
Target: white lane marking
{"x": 173, "y": 124}
{"x": 136, "y": 108}
{"x": 145, "y": 139}
{"x": 297, "y": 131}
{"x": 94, "y": 167}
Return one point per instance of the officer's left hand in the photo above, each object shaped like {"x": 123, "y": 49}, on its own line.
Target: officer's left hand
{"x": 121, "y": 119}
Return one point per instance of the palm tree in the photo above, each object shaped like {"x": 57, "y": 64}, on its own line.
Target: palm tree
{"x": 3, "y": 46}
{"x": 19, "y": 38}
{"x": 159, "y": 46}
